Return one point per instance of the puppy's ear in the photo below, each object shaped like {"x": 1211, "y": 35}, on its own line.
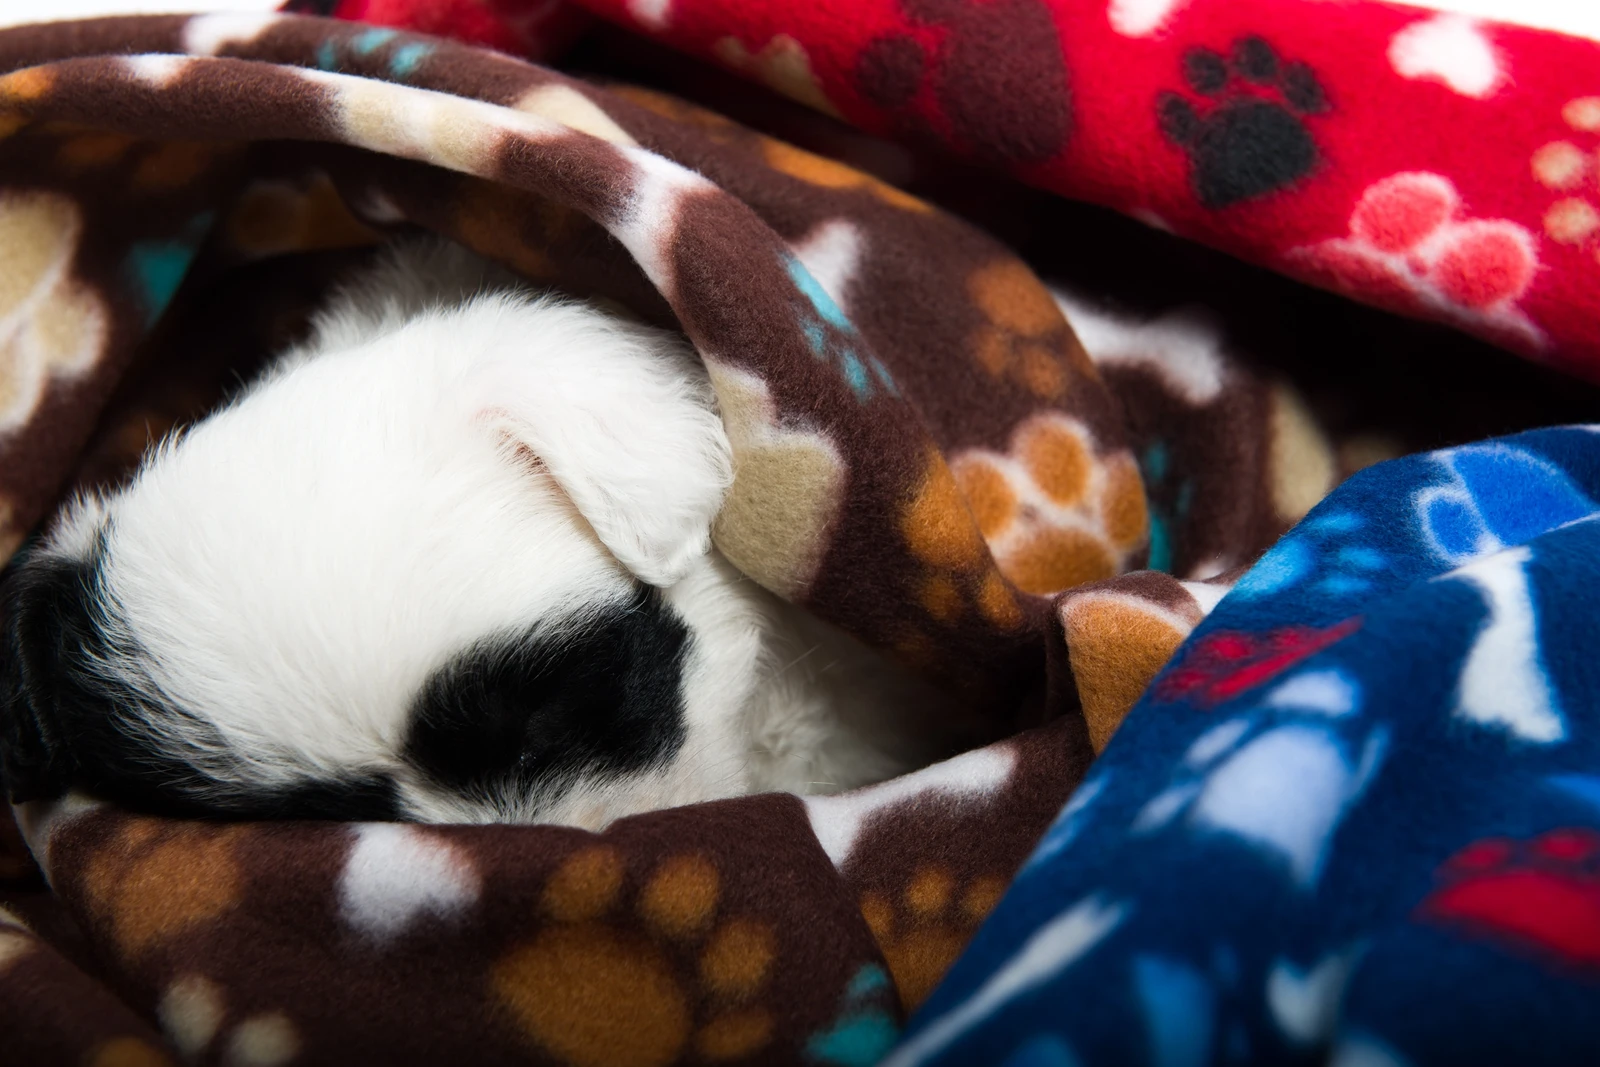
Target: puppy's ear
{"x": 622, "y": 417}
{"x": 46, "y": 613}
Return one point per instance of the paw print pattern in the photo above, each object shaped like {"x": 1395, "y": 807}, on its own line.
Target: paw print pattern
{"x": 1410, "y": 250}
{"x": 1325, "y": 554}
{"x": 193, "y": 1010}
{"x": 782, "y": 64}
{"x": 1054, "y": 512}
{"x": 863, "y": 1032}
{"x": 274, "y": 217}
{"x": 586, "y": 970}
{"x": 828, "y": 173}
{"x": 52, "y": 326}
{"x": 1494, "y": 496}
{"x": 787, "y": 490}
{"x": 143, "y": 893}
{"x": 988, "y": 75}
{"x": 1226, "y": 664}
{"x": 924, "y": 929}
{"x": 402, "y": 54}
{"x": 1541, "y": 896}
{"x": 1025, "y": 338}
{"x": 1564, "y": 167}
{"x": 1251, "y": 138}
{"x": 939, "y": 529}
{"x": 1281, "y": 778}
{"x": 832, "y": 338}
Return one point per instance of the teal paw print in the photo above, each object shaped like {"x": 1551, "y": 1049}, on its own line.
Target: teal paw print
{"x": 865, "y": 1030}
{"x": 833, "y": 338}
{"x": 402, "y": 61}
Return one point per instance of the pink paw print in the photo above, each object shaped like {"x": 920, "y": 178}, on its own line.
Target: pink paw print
{"x": 1542, "y": 895}
{"x": 1411, "y": 250}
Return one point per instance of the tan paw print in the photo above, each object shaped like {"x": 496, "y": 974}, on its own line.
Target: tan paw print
{"x": 153, "y": 880}
{"x": 782, "y": 65}
{"x": 564, "y": 104}
{"x": 1564, "y": 167}
{"x": 194, "y": 1014}
{"x": 589, "y": 968}
{"x": 1055, "y": 513}
{"x": 922, "y": 930}
{"x": 788, "y": 485}
{"x": 52, "y": 326}
{"x": 1026, "y": 340}
{"x": 939, "y": 529}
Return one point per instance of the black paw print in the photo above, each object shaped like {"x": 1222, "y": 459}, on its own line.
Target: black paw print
{"x": 998, "y": 79}
{"x": 1253, "y": 139}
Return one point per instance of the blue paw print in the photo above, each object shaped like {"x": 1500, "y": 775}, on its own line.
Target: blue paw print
{"x": 1321, "y": 552}
{"x": 1498, "y": 495}
{"x": 157, "y": 268}
{"x": 833, "y": 337}
{"x": 864, "y": 1031}
{"x": 1155, "y": 465}
{"x": 402, "y": 62}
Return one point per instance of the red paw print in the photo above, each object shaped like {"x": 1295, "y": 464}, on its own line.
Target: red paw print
{"x": 1222, "y": 665}
{"x": 1410, "y": 250}
{"x": 1543, "y": 894}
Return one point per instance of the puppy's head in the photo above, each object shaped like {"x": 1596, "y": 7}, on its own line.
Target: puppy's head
{"x": 448, "y": 562}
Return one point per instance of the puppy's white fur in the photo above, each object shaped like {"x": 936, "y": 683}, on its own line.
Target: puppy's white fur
{"x": 449, "y": 458}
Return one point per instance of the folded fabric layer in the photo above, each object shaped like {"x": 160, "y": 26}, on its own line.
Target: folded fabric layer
{"x": 926, "y": 456}
{"x": 1430, "y": 163}
{"x": 1355, "y": 821}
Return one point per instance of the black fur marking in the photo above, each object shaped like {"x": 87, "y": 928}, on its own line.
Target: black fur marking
{"x": 65, "y": 724}
{"x": 525, "y": 709}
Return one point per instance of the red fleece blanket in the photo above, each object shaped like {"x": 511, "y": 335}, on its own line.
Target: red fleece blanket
{"x": 1427, "y": 163}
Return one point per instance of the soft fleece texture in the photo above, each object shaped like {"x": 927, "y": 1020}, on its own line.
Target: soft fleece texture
{"x": 983, "y": 459}
{"x": 926, "y": 455}
{"x": 1434, "y": 163}
{"x": 1356, "y": 821}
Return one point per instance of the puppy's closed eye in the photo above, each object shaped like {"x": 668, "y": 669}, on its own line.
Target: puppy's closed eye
{"x": 518, "y": 712}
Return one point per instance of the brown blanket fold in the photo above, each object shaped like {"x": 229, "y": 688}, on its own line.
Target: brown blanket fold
{"x": 925, "y": 455}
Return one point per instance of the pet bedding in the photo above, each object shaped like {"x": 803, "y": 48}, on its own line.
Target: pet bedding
{"x": 1358, "y": 805}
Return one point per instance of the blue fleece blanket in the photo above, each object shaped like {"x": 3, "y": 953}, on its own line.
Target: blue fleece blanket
{"x": 1356, "y": 821}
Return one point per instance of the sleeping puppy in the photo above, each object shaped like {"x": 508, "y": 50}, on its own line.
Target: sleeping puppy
{"x": 447, "y": 561}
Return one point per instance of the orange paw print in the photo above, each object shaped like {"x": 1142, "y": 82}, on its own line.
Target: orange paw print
{"x": 592, "y": 966}
{"x": 1563, "y": 167}
{"x": 921, "y": 932}
{"x": 718, "y": 128}
{"x": 940, "y": 531}
{"x": 1054, "y": 514}
{"x": 1026, "y": 339}
{"x": 153, "y": 880}
{"x": 831, "y": 174}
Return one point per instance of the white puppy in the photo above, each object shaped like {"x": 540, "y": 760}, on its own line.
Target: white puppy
{"x": 449, "y": 561}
